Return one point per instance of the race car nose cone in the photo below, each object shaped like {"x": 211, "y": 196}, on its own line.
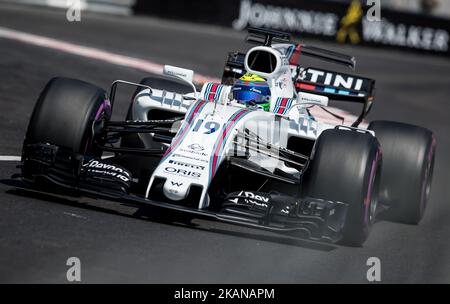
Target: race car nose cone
{"x": 175, "y": 190}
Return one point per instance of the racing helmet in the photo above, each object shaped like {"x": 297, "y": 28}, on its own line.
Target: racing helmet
{"x": 253, "y": 91}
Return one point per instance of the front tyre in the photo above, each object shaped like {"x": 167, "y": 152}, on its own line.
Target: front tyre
{"x": 344, "y": 167}
{"x": 69, "y": 113}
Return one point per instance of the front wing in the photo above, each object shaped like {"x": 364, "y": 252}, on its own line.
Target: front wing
{"x": 311, "y": 218}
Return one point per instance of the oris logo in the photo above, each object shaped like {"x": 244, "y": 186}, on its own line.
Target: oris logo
{"x": 182, "y": 172}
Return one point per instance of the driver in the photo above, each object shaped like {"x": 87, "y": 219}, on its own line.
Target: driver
{"x": 253, "y": 91}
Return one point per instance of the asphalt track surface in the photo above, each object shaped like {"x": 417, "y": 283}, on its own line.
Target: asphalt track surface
{"x": 117, "y": 243}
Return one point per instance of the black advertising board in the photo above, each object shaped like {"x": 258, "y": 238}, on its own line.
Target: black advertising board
{"x": 332, "y": 21}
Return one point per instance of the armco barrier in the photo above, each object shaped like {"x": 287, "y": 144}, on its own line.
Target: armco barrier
{"x": 333, "y": 21}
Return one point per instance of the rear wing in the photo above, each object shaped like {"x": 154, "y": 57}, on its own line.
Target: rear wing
{"x": 338, "y": 86}
{"x": 334, "y": 85}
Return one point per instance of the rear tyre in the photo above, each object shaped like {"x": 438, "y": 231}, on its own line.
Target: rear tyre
{"x": 69, "y": 113}
{"x": 408, "y": 163}
{"x": 344, "y": 167}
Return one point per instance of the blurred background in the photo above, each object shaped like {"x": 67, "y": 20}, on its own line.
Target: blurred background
{"x": 429, "y": 7}
{"x": 420, "y": 25}
{"x": 433, "y": 7}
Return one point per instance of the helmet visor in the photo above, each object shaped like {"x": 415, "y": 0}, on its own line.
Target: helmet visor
{"x": 244, "y": 96}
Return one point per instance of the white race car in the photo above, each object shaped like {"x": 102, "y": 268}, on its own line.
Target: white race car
{"x": 246, "y": 151}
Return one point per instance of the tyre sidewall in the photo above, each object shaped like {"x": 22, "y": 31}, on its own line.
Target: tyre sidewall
{"x": 334, "y": 174}
{"x": 65, "y": 113}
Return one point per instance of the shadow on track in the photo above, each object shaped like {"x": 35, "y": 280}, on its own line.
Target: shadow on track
{"x": 157, "y": 215}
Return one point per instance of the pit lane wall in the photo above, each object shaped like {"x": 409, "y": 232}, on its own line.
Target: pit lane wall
{"x": 349, "y": 23}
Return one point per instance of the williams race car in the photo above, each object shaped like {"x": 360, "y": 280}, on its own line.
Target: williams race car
{"x": 246, "y": 151}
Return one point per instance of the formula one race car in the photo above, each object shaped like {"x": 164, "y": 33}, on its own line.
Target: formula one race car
{"x": 246, "y": 151}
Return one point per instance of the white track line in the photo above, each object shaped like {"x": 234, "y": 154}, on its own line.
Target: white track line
{"x": 14, "y": 158}
{"x": 11, "y": 158}
{"x": 91, "y": 53}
